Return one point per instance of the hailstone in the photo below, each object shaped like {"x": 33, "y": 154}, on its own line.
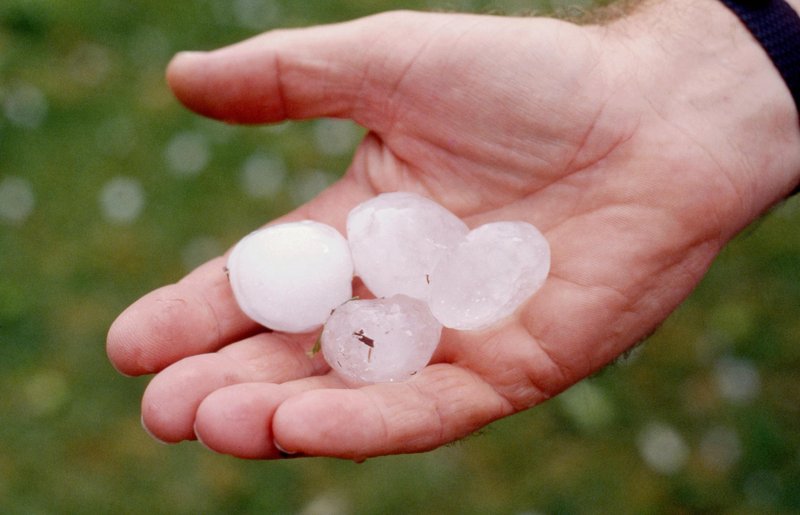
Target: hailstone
{"x": 496, "y": 268}
{"x": 289, "y": 277}
{"x": 380, "y": 340}
{"x": 396, "y": 240}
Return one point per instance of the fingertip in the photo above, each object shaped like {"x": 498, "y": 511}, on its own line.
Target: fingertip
{"x": 181, "y": 65}
{"x": 196, "y": 316}
{"x": 151, "y": 434}
{"x": 186, "y": 76}
{"x": 172, "y": 399}
{"x": 186, "y": 56}
{"x": 283, "y": 451}
{"x": 133, "y": 340}
{"x": 237, "y": 84}
{"x": 121, "y": 348}
{"x": 163, "y": 423}
{"x": 236, "y": 420}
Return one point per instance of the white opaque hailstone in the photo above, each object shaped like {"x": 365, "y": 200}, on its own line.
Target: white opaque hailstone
{"x": 396, "y": 240}
{"x": 489, "y": 275}
{"x": 380, "y": 340}
{"x": 289, "y": 277}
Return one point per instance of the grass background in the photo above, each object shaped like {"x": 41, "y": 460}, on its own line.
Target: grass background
{"x": 108, "y": 189}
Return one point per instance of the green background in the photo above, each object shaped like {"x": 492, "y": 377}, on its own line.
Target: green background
{"x": 108, "y": 189}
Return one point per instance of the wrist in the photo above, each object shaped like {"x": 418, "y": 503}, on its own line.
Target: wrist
{"x": 698, "y": 67}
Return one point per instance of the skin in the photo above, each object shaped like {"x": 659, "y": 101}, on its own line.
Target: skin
{"x": 639, "y": 148}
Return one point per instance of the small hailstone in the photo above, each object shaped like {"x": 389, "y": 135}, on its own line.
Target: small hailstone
{"x": 289, "y": 277}
{"x": 489, "y": 275}
{"x": 396, "y": 240}
{"x": 380, "y": 340}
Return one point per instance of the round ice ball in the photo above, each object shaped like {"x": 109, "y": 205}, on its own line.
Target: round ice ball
{"x": 489, "y": 275}
{"x": 396, "y": 240}
{"x": 289, "y": 277}
{"x": 380, "y": 340}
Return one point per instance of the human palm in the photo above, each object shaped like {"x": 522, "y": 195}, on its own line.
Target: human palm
{"x": 496, "y": 119}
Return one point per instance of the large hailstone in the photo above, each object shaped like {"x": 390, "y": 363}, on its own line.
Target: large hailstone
{"x": 380, "y": 340}
{"x": 289, "y": 277}
{"x": 489, "y": 275}
{"x": 396, "y": 240}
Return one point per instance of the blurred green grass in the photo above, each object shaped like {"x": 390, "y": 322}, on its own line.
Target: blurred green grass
{"x": 101, "y": 200}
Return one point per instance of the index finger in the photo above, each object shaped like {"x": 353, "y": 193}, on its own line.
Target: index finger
{"x": 196, "y": 315}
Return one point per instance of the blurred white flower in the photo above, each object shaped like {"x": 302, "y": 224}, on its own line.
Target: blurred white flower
{"x": 738, "y": 380}
{"x": 256, "y": 14}
{"x": 188, "y": 153}
{"x": 263, "y": 175}
{"x": 662, "y": 448}
{"x": 334, "y": 137}
{"x": 122, "y": 200}
{"x": 308, "y": 184}
{"x": 25, "y": 106}
{"x": 587, "y": 405}
{"x": 16, "y": 200}
{"x": 720, "y": 448}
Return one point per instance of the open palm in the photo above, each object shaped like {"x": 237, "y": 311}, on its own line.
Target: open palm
{"x": 496, "y": 119}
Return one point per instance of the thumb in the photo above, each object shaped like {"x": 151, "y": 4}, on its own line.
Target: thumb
{"x": 347, "y": 70}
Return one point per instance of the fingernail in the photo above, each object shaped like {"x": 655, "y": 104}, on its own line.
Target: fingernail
{"x": 150, "y": 434}
{"x": 190, "y": 54}
{"x": 283, "y": 452}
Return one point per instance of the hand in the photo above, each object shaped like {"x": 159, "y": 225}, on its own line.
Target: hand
{"x": 638, "y": 148}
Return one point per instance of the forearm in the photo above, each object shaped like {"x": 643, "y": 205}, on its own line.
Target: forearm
{"x": 697, "y": 68}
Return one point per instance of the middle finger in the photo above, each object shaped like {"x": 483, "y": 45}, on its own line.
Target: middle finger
{"x": 171, "y": 399}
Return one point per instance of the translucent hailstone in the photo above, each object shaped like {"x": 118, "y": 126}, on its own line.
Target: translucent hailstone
{"x": 396, "y": 240}
{"x": 380, "y": 340}
{"x": 289, "y": 277}
{"x": 489, "y": 275}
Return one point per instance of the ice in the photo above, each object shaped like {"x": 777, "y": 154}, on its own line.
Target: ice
{"x": 489, "y": 275}
{"x": 396, "y": 240}
{"x": 423, "y": 263}
{"x": 289, "y": 277}
{"x": 380, "y": 340}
